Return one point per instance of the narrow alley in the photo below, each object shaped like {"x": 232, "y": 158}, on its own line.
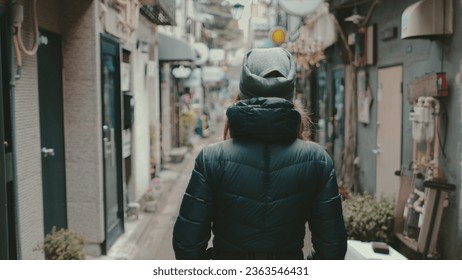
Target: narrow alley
{"x": 104, "y": 105}
{"x": 149, "y": 237}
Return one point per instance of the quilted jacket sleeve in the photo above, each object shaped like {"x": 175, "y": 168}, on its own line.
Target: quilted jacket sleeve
{"x": 192, "y": 229}
{"x": 326, "y": 222}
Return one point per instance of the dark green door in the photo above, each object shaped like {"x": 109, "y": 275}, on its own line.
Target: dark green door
{"x": 3, "y": 205}
{"x": 111, "y": 129}
{"x": 3, "y": 188}
{"x": 8, "y": 205}
{"x": 49, "y": 60}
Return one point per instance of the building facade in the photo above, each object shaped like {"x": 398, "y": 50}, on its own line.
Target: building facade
{"x": 80, "y": 108}
{"x": 373, "y": 76}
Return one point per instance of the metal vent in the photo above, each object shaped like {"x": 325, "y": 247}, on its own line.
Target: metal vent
{"x": 160, "y": 13}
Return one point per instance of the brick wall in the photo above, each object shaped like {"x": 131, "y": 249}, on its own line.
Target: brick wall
{"x": 76, "y": 22}
{"x": 28, "y": 156}
{"x": 82, "y": 120}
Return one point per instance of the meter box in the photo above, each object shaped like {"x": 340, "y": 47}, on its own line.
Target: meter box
{"x": 434, "y": 85}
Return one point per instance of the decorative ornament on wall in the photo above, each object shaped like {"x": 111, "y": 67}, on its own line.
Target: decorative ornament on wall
{"x": 128, "y": 16}
{"x": 122, "y": 20}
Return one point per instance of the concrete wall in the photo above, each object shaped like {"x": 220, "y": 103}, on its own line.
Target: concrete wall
{"x": 141, "y": 131}
{"x": 154, "y": 106}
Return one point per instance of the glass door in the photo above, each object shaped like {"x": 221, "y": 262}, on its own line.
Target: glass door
{"x": 111, "y": 130}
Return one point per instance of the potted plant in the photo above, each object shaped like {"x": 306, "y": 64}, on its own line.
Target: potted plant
{"x": 368, "y": 218}
{"x": 63, "y": 244}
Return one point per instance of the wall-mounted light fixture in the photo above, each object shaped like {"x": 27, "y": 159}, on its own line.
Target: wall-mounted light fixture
{"x": 237, "y": 10}
{"x": 181, "y": 72}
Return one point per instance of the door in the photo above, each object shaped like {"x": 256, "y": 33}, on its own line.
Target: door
{"x": 3, "y": 195}
{"x": 338, "y": 118}
{"x": 49, "y": 62}
{"x": 8, "y": 230}
{"x": 389, "y": 127}
{"x": 111, "y": 129}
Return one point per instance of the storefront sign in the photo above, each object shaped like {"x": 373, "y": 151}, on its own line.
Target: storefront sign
{"x": 278, "y": 36}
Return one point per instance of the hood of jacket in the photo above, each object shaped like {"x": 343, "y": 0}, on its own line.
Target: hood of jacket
{"x": 267, "y": 119}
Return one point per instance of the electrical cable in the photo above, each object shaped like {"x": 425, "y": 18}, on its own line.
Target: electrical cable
{"x": 446, "y": 121}
{"x": 17, "y": 38}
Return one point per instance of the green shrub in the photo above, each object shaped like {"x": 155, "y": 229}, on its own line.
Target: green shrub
{"x": 368, "y": 218}
{"x": 63, "y": 244}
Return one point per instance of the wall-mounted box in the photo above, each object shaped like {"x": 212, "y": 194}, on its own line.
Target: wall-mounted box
{"x": 434, "y": 84}
{"x": 427, "y": 19}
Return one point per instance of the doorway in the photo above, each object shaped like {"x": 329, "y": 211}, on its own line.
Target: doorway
{"x": 338, "y": 118}
{"x": 112, "y": 139}
{"x": 49, "y": 62}
{"x": 322, "y": 109}
{"x": 389, "y": 130}
{"x": 8, "y": 204}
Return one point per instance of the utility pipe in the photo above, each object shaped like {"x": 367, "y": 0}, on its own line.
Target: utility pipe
{"x": 418, "y": 203}
{"x": 436, "y": 144}
{"x": 414, "y": 150}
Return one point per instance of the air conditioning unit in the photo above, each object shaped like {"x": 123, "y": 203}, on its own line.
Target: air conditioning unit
{"x": 427, "y": 19}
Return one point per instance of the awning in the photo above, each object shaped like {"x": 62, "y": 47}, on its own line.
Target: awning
{"x": 173, "y": 49}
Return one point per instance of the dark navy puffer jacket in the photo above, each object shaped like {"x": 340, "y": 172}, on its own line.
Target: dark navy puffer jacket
{"x": 257, "y": 191}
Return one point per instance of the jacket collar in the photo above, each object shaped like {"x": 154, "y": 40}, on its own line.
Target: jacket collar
{"x": 267, "y": 119}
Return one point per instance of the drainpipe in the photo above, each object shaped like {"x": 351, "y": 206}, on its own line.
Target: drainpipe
{"x": 432, "y": 102}
{"x": 436, "y": 150}
{"x": 414, "y": 143}
{"x": 12, "y": 87}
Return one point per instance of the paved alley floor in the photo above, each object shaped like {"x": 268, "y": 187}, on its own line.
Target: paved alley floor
{"x": 149, "y": 236}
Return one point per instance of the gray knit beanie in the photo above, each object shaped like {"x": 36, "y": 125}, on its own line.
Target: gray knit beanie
{"x": 268, "y": 72}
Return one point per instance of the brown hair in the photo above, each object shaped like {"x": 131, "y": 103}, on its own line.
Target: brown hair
{"x": 303, "y": 132}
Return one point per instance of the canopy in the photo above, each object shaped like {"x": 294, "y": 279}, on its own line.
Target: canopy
{"x": 173, "y": 49}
